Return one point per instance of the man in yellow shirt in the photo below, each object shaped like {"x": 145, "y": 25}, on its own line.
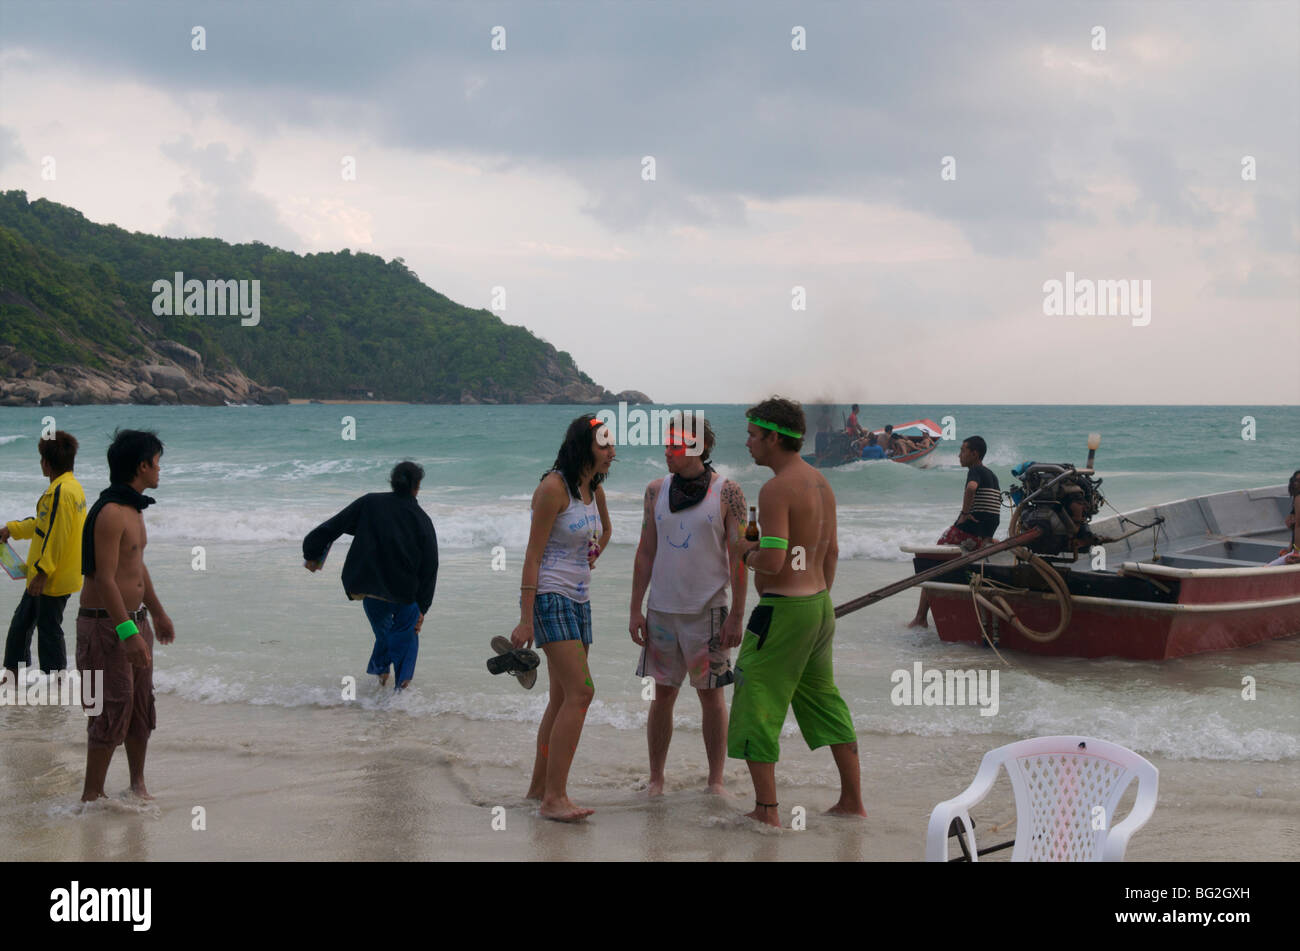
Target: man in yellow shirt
{"x": 53, "y": 560}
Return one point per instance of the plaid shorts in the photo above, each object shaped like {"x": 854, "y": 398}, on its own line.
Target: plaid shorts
{"x": 557, "y": 618}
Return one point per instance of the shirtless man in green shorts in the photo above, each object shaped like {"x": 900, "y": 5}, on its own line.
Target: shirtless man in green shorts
{"x": 785, "y": 656}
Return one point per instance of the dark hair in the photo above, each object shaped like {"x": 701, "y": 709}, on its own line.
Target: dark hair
{"x": 60, "y": 451}
{"x": 785, "y": 413}
{"x": 855, "y": 407}
{"x": 130, "y": 448}
{"x": 871, "y": 439}
{"x": 698, "y": 422}
{"x": 889, "y": 429}
{"x": 406, "y": 477}
{"x": 1290, "y": 482}
{"x": 977, "y": 445}
{"x": 576, "y": 453}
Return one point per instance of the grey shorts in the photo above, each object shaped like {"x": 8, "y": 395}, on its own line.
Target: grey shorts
{"x": 678, "y": 645}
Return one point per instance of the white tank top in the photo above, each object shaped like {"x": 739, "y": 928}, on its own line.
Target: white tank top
{"x": 690, "y": 568}
{"x": 564, "y": 569}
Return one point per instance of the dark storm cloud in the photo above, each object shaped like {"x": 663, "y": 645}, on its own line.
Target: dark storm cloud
{"x": 716, "y": 95}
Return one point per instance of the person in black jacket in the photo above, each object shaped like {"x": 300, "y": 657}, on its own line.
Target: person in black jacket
{"x": 391, "y": 568}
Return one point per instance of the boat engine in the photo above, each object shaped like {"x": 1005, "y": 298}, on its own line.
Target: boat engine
{"x": 1040, "y": 500}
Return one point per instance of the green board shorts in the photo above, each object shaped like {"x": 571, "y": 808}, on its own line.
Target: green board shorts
{"x": 785, "y": 661}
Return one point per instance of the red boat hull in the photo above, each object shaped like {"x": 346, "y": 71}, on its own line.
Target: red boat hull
{"x": 1211, "y": 614}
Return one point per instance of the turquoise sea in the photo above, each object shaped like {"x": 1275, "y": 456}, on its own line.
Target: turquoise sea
{"x": 244, "y": 484}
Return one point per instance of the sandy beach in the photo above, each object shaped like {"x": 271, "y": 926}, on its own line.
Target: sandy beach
{"x": 345, "y": 783}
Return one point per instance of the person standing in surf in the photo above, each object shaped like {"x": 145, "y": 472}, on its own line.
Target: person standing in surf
{"x": 692, "y": 537}
{"x": 570, "y": 528}
{"x": 114, "y": 634}
{"x": 981, "y": 509}
{"x": 391, "y": 568}
{"x": 785, "y": 657}
{"x": 53, "y": 561}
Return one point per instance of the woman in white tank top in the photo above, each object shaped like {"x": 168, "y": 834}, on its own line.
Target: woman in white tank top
{"x": 570, "y": 528}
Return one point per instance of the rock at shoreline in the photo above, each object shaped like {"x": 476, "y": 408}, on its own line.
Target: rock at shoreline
{"x": 169, "y": 374}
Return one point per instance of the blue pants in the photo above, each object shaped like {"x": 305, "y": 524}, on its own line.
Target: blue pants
{"x": 396, "y": 643}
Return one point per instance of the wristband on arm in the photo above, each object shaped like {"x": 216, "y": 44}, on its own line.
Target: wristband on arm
{"x": 773, "y": 541}
{"x": 126, "y": 629}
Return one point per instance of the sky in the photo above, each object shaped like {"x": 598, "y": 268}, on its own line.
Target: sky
{"x": 714, "y": 202}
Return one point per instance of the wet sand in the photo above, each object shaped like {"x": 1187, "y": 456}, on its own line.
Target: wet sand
{"x": 343, "y": 783}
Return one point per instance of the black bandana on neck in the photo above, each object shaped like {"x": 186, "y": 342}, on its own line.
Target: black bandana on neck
{"x": 118, "y": 492}
{"x": 683, "y": 493}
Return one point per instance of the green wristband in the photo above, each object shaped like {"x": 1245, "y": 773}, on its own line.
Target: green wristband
{"x": 126, "y": 629}
{"x": 772, "y": 541}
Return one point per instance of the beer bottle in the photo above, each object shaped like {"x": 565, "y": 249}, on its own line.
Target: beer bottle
{"x": 751, "y": 530}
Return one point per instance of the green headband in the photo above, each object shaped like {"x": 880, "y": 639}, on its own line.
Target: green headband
{"x": 774, "y": 427}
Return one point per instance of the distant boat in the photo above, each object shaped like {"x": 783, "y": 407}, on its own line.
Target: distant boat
{"x": 915, "y": 430}
{"x": 837, "y": 448}
{"x": 1204, "y": 586}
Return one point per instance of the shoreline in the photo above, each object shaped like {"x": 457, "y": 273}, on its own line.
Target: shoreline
{"x": 346, "y": 783}
{"x": 293, "y": 401}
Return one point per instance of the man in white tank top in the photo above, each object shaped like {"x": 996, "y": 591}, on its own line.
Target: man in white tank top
{"x": 691, "y": 541}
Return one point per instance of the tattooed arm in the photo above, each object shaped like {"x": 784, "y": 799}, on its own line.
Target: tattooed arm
{"x": 645, "y": 560}
{"x": 733, "y": 507}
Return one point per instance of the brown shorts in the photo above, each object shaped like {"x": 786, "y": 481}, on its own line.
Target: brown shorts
{"x": 128, "y": 691}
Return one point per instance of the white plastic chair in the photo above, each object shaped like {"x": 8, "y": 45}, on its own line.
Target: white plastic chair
{"x": 1058, "y": 780}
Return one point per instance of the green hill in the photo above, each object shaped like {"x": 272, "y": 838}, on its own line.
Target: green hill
{"x": 74, "y": 293}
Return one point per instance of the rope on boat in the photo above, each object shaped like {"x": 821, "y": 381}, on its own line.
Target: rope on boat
{"x": 996, "y": 604}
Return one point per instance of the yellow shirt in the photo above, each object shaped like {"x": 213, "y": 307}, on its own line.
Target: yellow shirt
{"x": 56, "y": 534}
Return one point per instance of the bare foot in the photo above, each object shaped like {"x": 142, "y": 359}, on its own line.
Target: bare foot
{"x": 717, "y": 789}
{"x": 852, "y": 810}
{"x": 656, "y": 788}
{"x": 766, "y": 815}
{"x": 918, "y": 622}
{"x": 138, "y": 790}
{"x": 534, "y": 794}
{"x": 383, "y": 680}
{"x": 563, "y": 810}
{"x": 92, "y": 796}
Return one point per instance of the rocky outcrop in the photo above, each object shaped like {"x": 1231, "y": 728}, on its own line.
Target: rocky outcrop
{"x": 182, "y": 355}
{"x": 169, "y": 373}
{"x": 632, "y": 396}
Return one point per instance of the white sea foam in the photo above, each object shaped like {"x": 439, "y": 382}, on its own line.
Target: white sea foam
{"x": 1155, "y": 728}
{"x": 5, "y": 440}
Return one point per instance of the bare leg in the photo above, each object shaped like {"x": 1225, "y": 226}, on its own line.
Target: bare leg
{"x": 659, "y": 733}
{"x": 567, "y": 661}
{"x": 97, "y": 760}
{"x": 383, "y": 679}
{"x": 713, "y": 711}
{"x": 537, "y": 785}
{"x": 764, "y": 777}
{"x": 922, "y": 611}
{"x": 846, "y": 761}
{"x": 135, "y": 750}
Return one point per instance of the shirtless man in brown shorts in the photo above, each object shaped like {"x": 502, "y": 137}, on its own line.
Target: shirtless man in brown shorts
{"x": 113, "y": 631}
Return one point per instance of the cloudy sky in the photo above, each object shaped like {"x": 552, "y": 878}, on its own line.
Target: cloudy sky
{"x": 919, "y": 169}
